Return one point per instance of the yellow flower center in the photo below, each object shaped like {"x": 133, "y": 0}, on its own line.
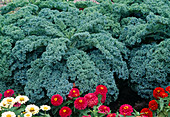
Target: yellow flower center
{"x": 28, "y": 115}
{"x": 9, "y": 115}
{"x": 45, "y": 108}
{"x": 32, "y": 109}
{"x": 104, "y": 107}
{"x": 24, "y": 112}
{"x": 55, "y": 99}
{"x": 158, "y": 91}
{"x": 124, "y": 113}
{"x": 8, "y": 91}
{"x": 75, "y": 94}
{"x": 101, "y": 88}
{"x": 74, "y": 91}
{"x": 9, "y": 100}
{"x": 64, "y": 110}
{"x": 146, "y": 112}
{"x": 80, "y": 101}
{"x": 21, "y": 98}
{"x": 126, "y": 107}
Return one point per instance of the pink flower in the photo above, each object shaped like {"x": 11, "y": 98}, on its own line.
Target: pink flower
{"x": 111, "y": 115}
{"x": 0, "y": 96}
{"x": 8, "y": 93}
{"x": 56, "y": 100}
{"x": 91, "y": 99}
{"x": 74, "y": 92}
{"x": 17, "y": 104}
{"x": 65, "y": 111}
{"x": 101, "y": 89}
{"x": 86, "y": 116}
{"x": 104, "y": 109}
{"x": 80, "y": 103}
{"x": 126, "y": 109}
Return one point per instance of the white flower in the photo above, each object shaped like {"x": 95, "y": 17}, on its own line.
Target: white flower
{"x": 8, "y": 102}
{"x": 32, "y": 109}
{"x": 21, "y": 99}
{"x": 28, "y": 114}
{"x": 8, "y": 114}
{"x": 45, "y": 107}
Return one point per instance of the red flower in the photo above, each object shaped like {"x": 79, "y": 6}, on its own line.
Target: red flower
{"x": 168, "y": 89}
{"x": 153, "y": 105}
{"x": 86, "y": 116}
{"x": 163, "y": 94}
{"x": 65, "y": 111}
{"x": 169, "y": 103}
{"x": 80, "y": 103}
{"x": 146, "y": 112}
{"x": 91, "y": 99}
{"x": 101, "y": 89}
{"x": 104, "y": 109}
{"x": 156, "y": 92}
{"x": 56, "y": 100}
{"x": 17, "y": 104}
{"x": 0, "y": 96}
{"x": 8, "y": 93}
{"x": 74, "y": 92}
{"x": 103, "y": 97}
{"x": 111, "y": 115}
{"x": 126, "y": 109}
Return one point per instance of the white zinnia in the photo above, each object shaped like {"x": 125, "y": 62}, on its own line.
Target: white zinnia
{"x": 8, "y": 114}
{"x": 8, "y": 102}
{"x": 32, "y": 109}
{"x": 45, "y": 107}
{"x": 28, "y": 114}
{"x": 21, "y": 99}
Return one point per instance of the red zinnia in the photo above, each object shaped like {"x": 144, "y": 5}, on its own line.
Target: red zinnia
{"x": 104, "y": 109}
{"x": 80, "y": 103}
{"x": 91, "y": 99}
{"x": 163, "y": 94}
{"x": 153, "y": 105}
{"x": 17, "y": 104}
{"x": 8, "y": 93}
{"x": 56, "y": 100}
{"x": 111, "y": 115}
{"x": 126, "y": 109}
{"x": 103, "y": 97}
{"x": 101, "y": 89}
{"x": 0, "y": 96}
{"x": 65, "y": 111}
{"x": 74, "y": 92}
{"x": 146, "y": 112}
{"x": 168, "y": 89}
{"x": 156, "y": 92}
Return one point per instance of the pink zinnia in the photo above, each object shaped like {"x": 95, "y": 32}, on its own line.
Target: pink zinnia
{"x": 104, "y": 109}
{"x": 91, "y": 99}
{"x": 0, "y": 96}
{"x": 101, "y": 89}
{"x": 8, "y": 93}
{"x": 17, "y": 104}
{"x": 111, "y": 115}
{"x": 126, "y": 109}
{"x": 80, "y": 103}
{"x": 74, "y": 92}
{"x": 56, "y": 100}
{"x": 65, "y": 111}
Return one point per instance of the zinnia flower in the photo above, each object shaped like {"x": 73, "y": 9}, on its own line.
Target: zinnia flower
{"x": 8, "y": 102}
{"x": 86, "y": 116}
{"x": 111, "y": 115}
{"x": 8, "y": 93}
{"x": 168, "y": 89}
{"x": 0, "y": 96}
{"x": 32, "y": 109}
{"x": 146, "y": 112}
{"x": 80, "y": 103}
{"x": 163, "y": 94}
{"x": 8, "y": 114}
{"x": 101, "y": 89}
{"x": 156, "y": 92}
{"x": 28, "y": 114}
{"x": 74, "y": 92}
{"x": 56, "y": 100}
{"x": 91, "y": 99}
{"x": 153, "y": 105}
{"x": 45, "y": 107}
{"x": 103, "y": 97}
{"x": 21, "y": 99}
{"x": 126, "y": 109}
{"x": 104, "y": 109}
{"x": 65, "y": 111}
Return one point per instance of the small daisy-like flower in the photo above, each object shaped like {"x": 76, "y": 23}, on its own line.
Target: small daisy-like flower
{"x": 153, "y": 105}
{"x": 0, "y": 96}
{"x": 168, "y": 89}
{"x": 91, "y": 99}
{"x": 80, "y": 103}
{"x": 163, "y": 94}
{"x": 32, "y": 109}
{"x": 28, "y": 114}
{"x": 45, "y": 107}
{"x": 104, "y": 109}
{"x": 8, "y": 102}
{"x": 65, "y": 111}
{"x": 8, "y": 93}
{"x": 101, "y": 89}
{"x": 74, "y": 92}
{"x": 157, "y": 91}
{"x": 111, "y": 115}
{"x": 21, "y": 99}
{"x": 126, "y": 109}
{"x": 56, "y": 100}
{"x": 8, "y": 114}
{"x": 146, "y": 112}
